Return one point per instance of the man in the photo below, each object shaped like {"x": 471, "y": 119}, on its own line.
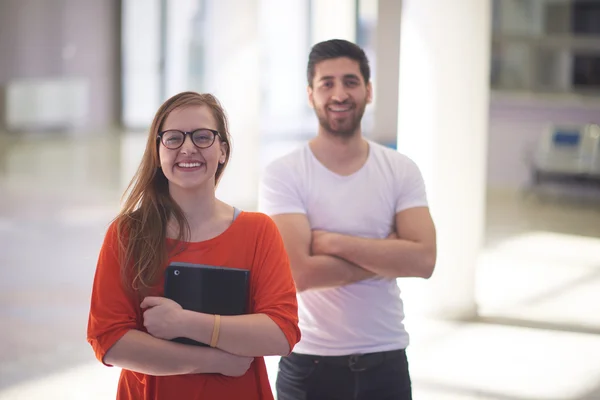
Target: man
{"x": 353, "y": 215}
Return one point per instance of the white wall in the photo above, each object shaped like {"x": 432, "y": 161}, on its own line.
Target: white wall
{"x": 43, "y": 39}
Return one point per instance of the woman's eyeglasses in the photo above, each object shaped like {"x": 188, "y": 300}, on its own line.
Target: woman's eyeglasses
{"x": 174, "y": 139}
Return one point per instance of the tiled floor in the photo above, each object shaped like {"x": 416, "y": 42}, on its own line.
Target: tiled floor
{"x": 538, "y": 286}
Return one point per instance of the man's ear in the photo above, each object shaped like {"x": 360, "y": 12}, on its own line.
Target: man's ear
{"x": 369, "y": 92}
{"x": 309, "y": 92}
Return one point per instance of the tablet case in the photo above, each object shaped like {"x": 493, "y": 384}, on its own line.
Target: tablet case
{"x": 207, "y": 289}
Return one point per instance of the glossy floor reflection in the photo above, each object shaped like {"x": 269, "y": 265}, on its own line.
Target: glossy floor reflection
{"x": 538, "y": 284}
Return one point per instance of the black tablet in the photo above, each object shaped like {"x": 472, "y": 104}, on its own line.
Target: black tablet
{"x": 207, "y": 289}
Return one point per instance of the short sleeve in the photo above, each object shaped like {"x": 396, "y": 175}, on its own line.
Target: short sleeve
{"x": 411, "y": 187}
{"x": 274, "y": 292}
{"x": 279, "y": 191}
{"x": 112, "y": 311}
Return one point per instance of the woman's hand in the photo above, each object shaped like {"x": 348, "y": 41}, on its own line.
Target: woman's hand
{"x": 162, "y": 317}
{"x": 233, "y": 365}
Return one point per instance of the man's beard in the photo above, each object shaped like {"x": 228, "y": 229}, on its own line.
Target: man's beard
{"x": 348, "y": 128}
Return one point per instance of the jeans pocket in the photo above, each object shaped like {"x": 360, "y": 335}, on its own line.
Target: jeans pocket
{"x": 295, "y": 377}
{"x": 300, "y": 368}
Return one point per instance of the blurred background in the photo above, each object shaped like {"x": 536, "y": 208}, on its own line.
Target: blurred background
{"x": 498, "y": 101}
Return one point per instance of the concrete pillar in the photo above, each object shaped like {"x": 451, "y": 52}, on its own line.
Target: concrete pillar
{"x": 232, "y": 74}
{"x": 387, "y": 71}
{"x": 141, "y": 70}
{"x": 283, "y": 69}
{"x": 442, "y": 125}
{"x": 333, "y": 19}
{"x": 183, "y": 46}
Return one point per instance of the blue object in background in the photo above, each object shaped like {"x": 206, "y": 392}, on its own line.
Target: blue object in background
{"x": 566, "y": 138}
{"x": 391, "y": 145}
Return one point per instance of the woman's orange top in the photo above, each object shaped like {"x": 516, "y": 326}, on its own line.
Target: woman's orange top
{"x": 251, "y": 242}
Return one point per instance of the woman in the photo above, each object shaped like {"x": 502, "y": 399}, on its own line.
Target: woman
{"x": 171, "y": 214}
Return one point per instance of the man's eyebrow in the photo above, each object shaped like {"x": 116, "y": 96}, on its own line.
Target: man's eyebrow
{"x": 347, "y": 76}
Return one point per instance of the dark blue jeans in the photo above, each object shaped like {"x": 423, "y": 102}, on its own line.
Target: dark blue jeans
{"x": 381, "y": 376}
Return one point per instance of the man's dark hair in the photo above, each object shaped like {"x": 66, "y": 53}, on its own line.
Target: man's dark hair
{"x": 336, "y": 48}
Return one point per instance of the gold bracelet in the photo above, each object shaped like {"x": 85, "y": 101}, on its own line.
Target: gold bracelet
{"x": 215, "y": 334}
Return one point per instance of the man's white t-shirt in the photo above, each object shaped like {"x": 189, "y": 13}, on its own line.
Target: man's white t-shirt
{"x": 366, "y": 316}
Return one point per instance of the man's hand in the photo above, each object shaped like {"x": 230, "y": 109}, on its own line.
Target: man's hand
{"x": 313, "y": 267}
{"x": 409, "y": 251}
{"x": 322, "y": 242}
{"x": 162, "y": 317}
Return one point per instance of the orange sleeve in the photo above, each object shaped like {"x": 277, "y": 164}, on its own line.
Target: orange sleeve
{"x": 112, "y": 311}
{"x": 274, "y": 291}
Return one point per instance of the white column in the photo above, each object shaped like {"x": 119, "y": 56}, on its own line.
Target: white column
{"x": 233, "y": 75}
{"x": 283, "y": 67}
{"x": 181, "y": 19}
{"x": 386, "y": 76}
{"x": 333, "y": 19}
{"x": 443, "y": 120}
{"x": 141, "y": 62}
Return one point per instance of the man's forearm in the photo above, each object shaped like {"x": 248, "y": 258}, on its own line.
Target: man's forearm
{"x": 252, "y": 335}
{"x": 323, "y": 271}
{"x": 140, "y": 352}
{"x": 389, "y": 258}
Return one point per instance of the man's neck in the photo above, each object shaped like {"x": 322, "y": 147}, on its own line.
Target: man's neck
{"x": 343, "y": 155}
